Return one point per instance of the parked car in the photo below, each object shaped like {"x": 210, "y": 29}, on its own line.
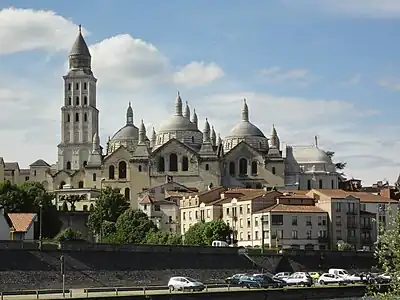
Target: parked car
{"x": 299, "y": 278}
{"x": 328, "y": 278}
{"x": 234, "y": 279}
{"x": 260, "y": 281}
{"x": 315, "y": 276}
{"x": 345, "y": 275}
{"x": 185, "y": 283}
{"x": 282, "y": 275}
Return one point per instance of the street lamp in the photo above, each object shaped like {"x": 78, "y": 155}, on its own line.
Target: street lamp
{"x": 262, "y": 234}
{"x": 40, "y": 225}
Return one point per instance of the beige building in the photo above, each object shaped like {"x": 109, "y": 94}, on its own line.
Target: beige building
{"x": 293, "y": 222}
{"x": 86, "y": 203}
{"x": 133, "y": 161}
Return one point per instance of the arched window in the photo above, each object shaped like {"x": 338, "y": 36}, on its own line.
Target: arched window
{"x": 122, "y": 170}
{"x": 77, "y": 100}
{"x": 207, "y": 167}
{"x": 94, "y": 177}
{"x": 243, "y": 166}
{"x": 80, "y": 184}
{"x": 185, "y": 163}
{"x": 232, "y": 168}
{"x": 273, "y": 170}
{"x": 127, "y": 194}
{"x": 332, "y": 184}
{"x": 173, "y": 162}
{"x": 77, "y": 86}
{"x": 192, "y": 139}
{"x": 85, "y": 117}
{"x": 85, "y": 100}
{"x": 76, "y": 117}
{"x": 254, "y": 168}
{"x": 161, "y": 164}
{"x": 320, "y": 184}
{"x": 62, "y": 183}
{"x": 139, "y": 168}
{"x": 68, "y": 118}
{"x": 68, "y": 166}
{"x": 111, "y": 172}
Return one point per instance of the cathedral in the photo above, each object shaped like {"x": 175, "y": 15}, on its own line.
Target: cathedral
{"x": 182, "y": 150}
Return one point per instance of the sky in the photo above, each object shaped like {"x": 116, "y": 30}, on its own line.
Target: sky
{"x": 328, "y": 68}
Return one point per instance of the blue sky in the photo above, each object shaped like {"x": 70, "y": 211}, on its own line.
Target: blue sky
{"x": 330, "y": 69}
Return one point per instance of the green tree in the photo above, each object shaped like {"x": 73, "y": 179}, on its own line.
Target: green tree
{"x": 387, "y": 253}
{"x": 158, "y": 237}
{"x": 195, "y": 235}
{"x": 27, "y": 198}
{"x": 132, "y": 227}
{"x": 344, "y": 246}
{"x": 110, "y": 205}
{"x": 72, "y": 199}
{"x": 338, "y": 165}
{"x": 68, "y": 234}
{"x": 216, "y": 230}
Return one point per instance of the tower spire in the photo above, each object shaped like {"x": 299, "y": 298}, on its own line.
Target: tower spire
{"x": 178, "y": 105}
{"x": 79, "y": 56}
{"x": 245, "y": 111}
{"x": 129, "y": 115}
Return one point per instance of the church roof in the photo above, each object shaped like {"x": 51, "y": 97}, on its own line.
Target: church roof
{"x": 80, "y": 47}
{"x": 39, "y": 163}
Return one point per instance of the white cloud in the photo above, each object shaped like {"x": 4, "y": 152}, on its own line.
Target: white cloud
{"x": 197, "y": 74}
{"x": 354, "y": 80}
{"x": 28, "y": 29}
{"x": 276, "y": 75}
{"x": 351, "y": 8}
{"x": 390, "y": 83}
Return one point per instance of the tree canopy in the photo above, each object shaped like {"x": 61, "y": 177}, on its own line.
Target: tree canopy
{"x": 387, "y": 252}
{"x": 27, "y": 198}
{"x": 339, "y": 165}
{"x": 109, "y": 206}
{"x": 158, "y": 237}
{"x": 204, "y": 233}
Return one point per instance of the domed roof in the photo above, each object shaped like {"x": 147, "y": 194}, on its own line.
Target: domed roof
{"x": 245, "y": 127}
{"x": 179, "y": 122}
{"x": 128, "y": 132}
{"x": 310, "y": 155}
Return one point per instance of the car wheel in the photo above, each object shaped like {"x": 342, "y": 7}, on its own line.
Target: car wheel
{"x": 322, "y": 282}
{"x": 171, "y": 288}
{"x": 248, "y": 286}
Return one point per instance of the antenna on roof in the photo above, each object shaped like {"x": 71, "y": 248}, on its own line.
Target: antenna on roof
{"x": 316, "y": 141}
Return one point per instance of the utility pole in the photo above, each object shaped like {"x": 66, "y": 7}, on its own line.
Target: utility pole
{"x": 262, "y": 235}
{"x": 62, "y": 261}
{"x": 40, "y": 226}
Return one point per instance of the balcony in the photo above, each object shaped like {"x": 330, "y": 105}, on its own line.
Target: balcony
{"x": 366, "y": 226}
{"x": 323, "y": 239}
{"x": 352, "y": 225}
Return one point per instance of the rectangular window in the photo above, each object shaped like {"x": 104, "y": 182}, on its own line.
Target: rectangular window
{"x": 338, "y": 221}
{"x": 256, "y": 222}
{"x": 256, "y": 235}
{"x": 227, "y": 211}
{"x": 241, "y": 223}
{"x": 85, "y": 86}
{"x": 294, "y": 234}
{"x": 308, "y": 221}
{"x": 294, "y": 220}
{"x": 248, "y": 236}
{"x": 77, "y": 86}
{"x": 248, "y": 208}
{"x": 241, "y": 210}
{"x": 319, "y": 220}
{"x": 248, "y": 222}
{"x": 309, "y": 233}
{"x": 338, "y": 206}
{"x": 277, "y": 220}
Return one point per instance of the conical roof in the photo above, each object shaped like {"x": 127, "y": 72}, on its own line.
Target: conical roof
{"x": 80, "y": 47}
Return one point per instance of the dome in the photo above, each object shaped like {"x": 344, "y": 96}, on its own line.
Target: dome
{"x": 311, "y": 155}
{"x": 245, "y": 128}
{"x": 128, "y": 132}
{"x": 178, "y": 123}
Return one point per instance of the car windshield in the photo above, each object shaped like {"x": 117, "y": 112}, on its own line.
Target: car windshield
{"x": 191, "y": 279}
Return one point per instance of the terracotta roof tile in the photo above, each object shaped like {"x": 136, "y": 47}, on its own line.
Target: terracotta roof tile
{"x": 146, "y": 200}
{"x": 284, "y": 208}
{"x": 363, "y": 196}
{"x": 22, "y": 221}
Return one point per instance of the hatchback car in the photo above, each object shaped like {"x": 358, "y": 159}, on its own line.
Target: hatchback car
{"x": 185, "y": 283}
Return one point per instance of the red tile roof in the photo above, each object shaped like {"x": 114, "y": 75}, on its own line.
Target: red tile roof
{"x": 146, "y": 200}
{"x": 22, "y": 221}
{"x": 284, "y": 208}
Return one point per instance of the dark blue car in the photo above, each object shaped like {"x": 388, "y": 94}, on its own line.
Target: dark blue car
{"x": 260, "y": 281}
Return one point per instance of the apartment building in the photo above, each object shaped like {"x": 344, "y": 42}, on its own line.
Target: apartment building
{"x": 202, "y": 206}
{"x": 238, "y": 208}
{"x": 292, "y": 222}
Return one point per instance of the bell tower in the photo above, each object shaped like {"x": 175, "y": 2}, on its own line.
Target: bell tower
{"x": 79, "y": 114}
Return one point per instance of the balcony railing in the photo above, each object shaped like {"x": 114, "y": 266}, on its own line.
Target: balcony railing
{"x": 322, "y": 239}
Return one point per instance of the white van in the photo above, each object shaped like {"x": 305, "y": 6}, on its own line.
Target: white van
{"x": 342, "y": 273}
{"x": 219, "y": 244}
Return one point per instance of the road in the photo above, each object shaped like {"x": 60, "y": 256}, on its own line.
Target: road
{"x": 79, "y": 293}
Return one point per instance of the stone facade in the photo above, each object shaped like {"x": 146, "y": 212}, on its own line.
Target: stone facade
{"x": 178, "y": 150}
